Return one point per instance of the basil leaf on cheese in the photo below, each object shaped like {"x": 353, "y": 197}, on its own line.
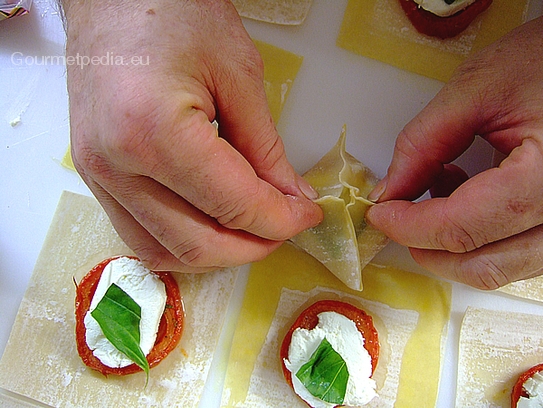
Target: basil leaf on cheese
{"x": 325, "y": 375}
{"x": 118, "y": 315}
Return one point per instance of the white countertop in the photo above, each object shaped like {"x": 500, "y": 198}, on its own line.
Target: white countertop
{"x": 334, "y": 87}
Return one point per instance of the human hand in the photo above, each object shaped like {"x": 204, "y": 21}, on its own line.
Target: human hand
{"x": 489, "y": 230}
{"x": 142, "y": 137}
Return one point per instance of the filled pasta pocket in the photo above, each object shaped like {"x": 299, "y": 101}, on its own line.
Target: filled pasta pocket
{"x": 343, "y": 241}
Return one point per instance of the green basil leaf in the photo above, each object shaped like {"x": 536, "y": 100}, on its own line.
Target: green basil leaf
{"x": 449, "y": 1}
{"x": 325, "y": 375}
{"x": 118, "y": 315}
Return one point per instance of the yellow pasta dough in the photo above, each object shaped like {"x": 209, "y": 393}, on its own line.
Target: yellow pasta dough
{"x": 280, "y": 69}
{"x": 379, "y": 29}
{"x": 410, "y": 311}
{"x": 41, "y": 361}
{"x": 342, "y": 242}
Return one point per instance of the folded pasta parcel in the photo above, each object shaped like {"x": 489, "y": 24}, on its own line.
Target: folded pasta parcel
{"x": 343, "y": 242}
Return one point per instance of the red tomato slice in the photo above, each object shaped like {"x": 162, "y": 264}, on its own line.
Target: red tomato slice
{"x": 308, "y": 319}
{"x": 442, "y": 27}
{"x": 518, "y": 389}
{"x": 169, "y": 331}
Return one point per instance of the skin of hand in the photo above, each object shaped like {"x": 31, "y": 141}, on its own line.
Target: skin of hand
{"x": 183, "y": 198}
{"x": 485, "y": 231}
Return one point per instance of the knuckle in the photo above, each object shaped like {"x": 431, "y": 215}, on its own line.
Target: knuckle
{"x": 194, "y": 252}
{"x": 191, "y": 249}
{"x": 456, "y": 240}
{"x": 87, "y": 159}
{"x": 269, "y": 154}
{"x": 193, "y": 255}
{"x": 84, "y": 157}
{"x": 238, "y": 214}
{"x": 455, "y": 237}
{"x": 151, "y": 259}
{"x": 134, "y": 136}
{"x": 127, "y": 138}
{"x": 415, "y": 139}
{"x": 483, "y": 273}
{"x": 251, "y": 62}
{"x": 150, "y": 255}
{"x": 404, "y": 144}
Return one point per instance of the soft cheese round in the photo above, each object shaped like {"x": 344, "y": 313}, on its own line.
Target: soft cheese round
{"x": 345, "y": 339}
{"x": 441, "y": 8}
{"x": 146, "y": 289}
{"x": 534, "y": 389}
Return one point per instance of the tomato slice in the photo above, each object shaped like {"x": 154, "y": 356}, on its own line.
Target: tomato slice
{"x": 169, "y": 331}
{"x": 430, "y": 24}
{"x": 308, "y": 319}
{"x": 518, "y": 389}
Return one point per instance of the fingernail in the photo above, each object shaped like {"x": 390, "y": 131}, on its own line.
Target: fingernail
{"x": 378, "y": 191}
{"x": 307, "y": 189}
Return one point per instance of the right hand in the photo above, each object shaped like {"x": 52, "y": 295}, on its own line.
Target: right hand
{"x": 181, "y": 197}
{"x": 486, "y": 231}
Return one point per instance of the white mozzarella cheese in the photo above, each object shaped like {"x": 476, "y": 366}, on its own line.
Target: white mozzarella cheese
{"x": 534, "y": 388}
{"x": 146, "y": 289}
{"x": 441, "y": 8}
{"x": 346, "y": 340}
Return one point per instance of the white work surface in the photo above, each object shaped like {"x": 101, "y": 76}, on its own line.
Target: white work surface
{"x": 334, "y": 87}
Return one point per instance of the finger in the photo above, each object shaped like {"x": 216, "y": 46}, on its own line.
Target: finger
{"x": 157, "y": 248}
{"x": 491, "y": 266}
{"x": 491, "y": 206}
{"x": 193, "y": 238}
{"x": 149, "y": 250}
{"x": 153, "y": 254}
{"x": 438, "y": 135}
{"x": 208, "y": 172}
{"x": 246, "y": 122}
{"x": 449, "y": 180}
{"x": 484, "y": 97}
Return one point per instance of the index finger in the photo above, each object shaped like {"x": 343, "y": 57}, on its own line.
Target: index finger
{"x": 209, "y": 173}
{"x": 491, "y": 206}
{"x": 439, "y": 134}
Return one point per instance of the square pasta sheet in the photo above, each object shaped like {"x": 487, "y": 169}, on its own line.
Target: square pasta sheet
{"x": 379, "y": 29}
{"x": 48, "y": 368}
{"x": 528, "y": 289}
{"x": 285, "y": 12}
{"x": 495, "y": 348}
{"x": 410, "y": 312}
{"x": 280, "y": 70}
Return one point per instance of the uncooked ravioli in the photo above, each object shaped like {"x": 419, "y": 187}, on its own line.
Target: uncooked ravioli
{"x": 343, "y": 241}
